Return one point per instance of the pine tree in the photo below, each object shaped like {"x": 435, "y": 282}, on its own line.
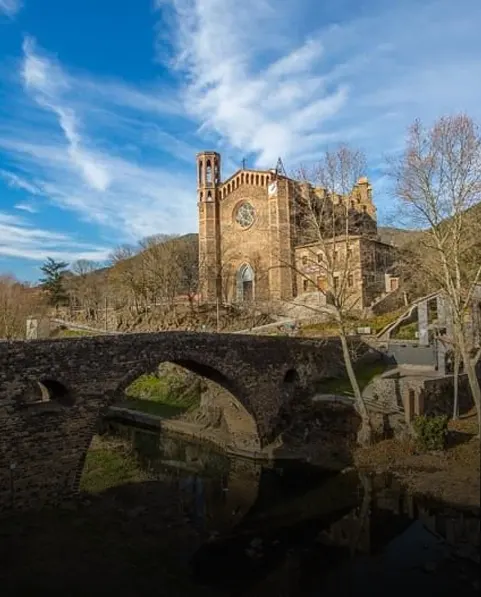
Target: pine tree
{"x": 53, "y": 282}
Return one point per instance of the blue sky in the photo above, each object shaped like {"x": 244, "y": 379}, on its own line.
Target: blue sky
{"x": 103, "y": 103}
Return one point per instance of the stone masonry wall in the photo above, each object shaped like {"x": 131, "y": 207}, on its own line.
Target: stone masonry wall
{"x": 46, "y": 434}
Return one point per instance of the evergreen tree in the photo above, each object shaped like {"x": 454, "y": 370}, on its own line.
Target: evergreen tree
{"x": 53, "y": 282}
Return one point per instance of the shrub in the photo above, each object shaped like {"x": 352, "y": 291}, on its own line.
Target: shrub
{"x": 431, "y": 432}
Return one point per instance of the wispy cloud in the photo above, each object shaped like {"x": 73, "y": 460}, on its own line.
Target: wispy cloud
{"x": 355, "y": 75}
{"x": 43, "y": 77}
{"x": 10, "y": 7}
{"x": 18, "y": 182}
{"x": 26, "y": 207}
{"x": 18, "y": 238}
{"x": 73, "y": 162}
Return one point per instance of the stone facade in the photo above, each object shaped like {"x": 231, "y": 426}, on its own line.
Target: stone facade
{"x": 361, "y": 262}
{"x": 53, "y": 392}
{"x": 251, "y": 224}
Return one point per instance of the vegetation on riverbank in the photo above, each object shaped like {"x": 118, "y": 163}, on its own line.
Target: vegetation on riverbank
{"x": 342, "y": 386}
{"x": 110, "y": 463}
{"x": 167, "y": 395}
{"x": 452, "y": 475}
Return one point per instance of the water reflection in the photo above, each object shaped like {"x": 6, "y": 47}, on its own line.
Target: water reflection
{"x": 293, "y": 529}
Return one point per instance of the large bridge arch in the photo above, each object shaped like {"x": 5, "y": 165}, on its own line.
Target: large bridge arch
{"x": 225, "y": 393}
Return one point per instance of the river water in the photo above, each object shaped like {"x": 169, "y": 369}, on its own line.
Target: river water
{"x": 291, "y": 529}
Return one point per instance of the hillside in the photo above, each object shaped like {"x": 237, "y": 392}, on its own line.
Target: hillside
{"x": 399, "y": 237}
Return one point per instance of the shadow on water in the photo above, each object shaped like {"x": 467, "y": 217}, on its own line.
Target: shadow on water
{"x": 200, "y": 523}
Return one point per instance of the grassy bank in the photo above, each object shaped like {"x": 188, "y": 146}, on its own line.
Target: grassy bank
{"x": 167, "y": 396}
{"x": 342, "y": 386}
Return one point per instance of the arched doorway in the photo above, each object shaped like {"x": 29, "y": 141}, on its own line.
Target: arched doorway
{"x": 245, "y": 283}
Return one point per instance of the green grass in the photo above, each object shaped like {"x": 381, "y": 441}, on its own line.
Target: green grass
{"x": 167, "y": 396}
{"x": 342, "y": 385}
{"x": 406, "y": 331}
{"x": 376, "y": 323}
{"x": 73, "y": 333}
{"x": 108, "y": 464}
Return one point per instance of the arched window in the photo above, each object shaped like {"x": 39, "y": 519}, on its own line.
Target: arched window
{"x": 262, "y": 180}
{"x": 209, "y": 196}
{"x": 201, "y": 196}
{"x": 245, "y": 283}
{"x": 257, "y": 179}
{"x": 208, "y": 171}
{"x": 242, "y": 178}
{"x": 228, "y": 188}
{"x": 200, "y": 172}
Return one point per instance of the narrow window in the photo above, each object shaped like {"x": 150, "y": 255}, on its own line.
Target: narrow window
{"x": 208, "y": 172}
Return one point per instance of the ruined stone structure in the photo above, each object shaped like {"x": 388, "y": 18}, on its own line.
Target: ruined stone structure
{"x": 53, "y": 392}
{"x": 251, "y": 224}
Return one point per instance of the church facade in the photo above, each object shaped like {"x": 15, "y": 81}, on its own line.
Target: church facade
{"x": 252, "y": 246}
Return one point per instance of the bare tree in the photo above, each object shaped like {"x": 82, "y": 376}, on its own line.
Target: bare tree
{"x": 438, "y": 183}
{"x": 126, "y": 277}
{"x": 17, "y": 302}
{"x": 188, "y": 259}
{"x": 328, "y": 221}
{"x": 86, "y": 288}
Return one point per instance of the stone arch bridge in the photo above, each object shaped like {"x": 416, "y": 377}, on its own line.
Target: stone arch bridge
{"x": 52, "y": 393}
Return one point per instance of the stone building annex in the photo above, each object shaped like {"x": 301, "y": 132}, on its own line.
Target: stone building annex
{"x": 253, "y": 244}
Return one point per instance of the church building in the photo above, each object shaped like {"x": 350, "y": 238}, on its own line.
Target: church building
{"x": 252, "y": 245}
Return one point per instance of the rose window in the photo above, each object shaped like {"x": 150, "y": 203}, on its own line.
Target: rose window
{"x": 245, "y": 215}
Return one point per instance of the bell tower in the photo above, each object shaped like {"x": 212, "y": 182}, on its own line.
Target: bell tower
{"x": 208, "y": 182}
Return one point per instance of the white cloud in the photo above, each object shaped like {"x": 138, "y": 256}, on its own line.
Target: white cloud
{"x": 15, "y": 181}
{"x": 43, "y": 77}
{"x": 18, "y": 238}
{"x": 72, "y": 162}
{"x": 140, "y": 200}
{"x": 26, "y": 207}
{"x": 10, "y": 7}
{"x": 264, "y": 88}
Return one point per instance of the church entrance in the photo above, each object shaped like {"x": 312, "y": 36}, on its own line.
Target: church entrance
{"x": 245, "y": 284}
